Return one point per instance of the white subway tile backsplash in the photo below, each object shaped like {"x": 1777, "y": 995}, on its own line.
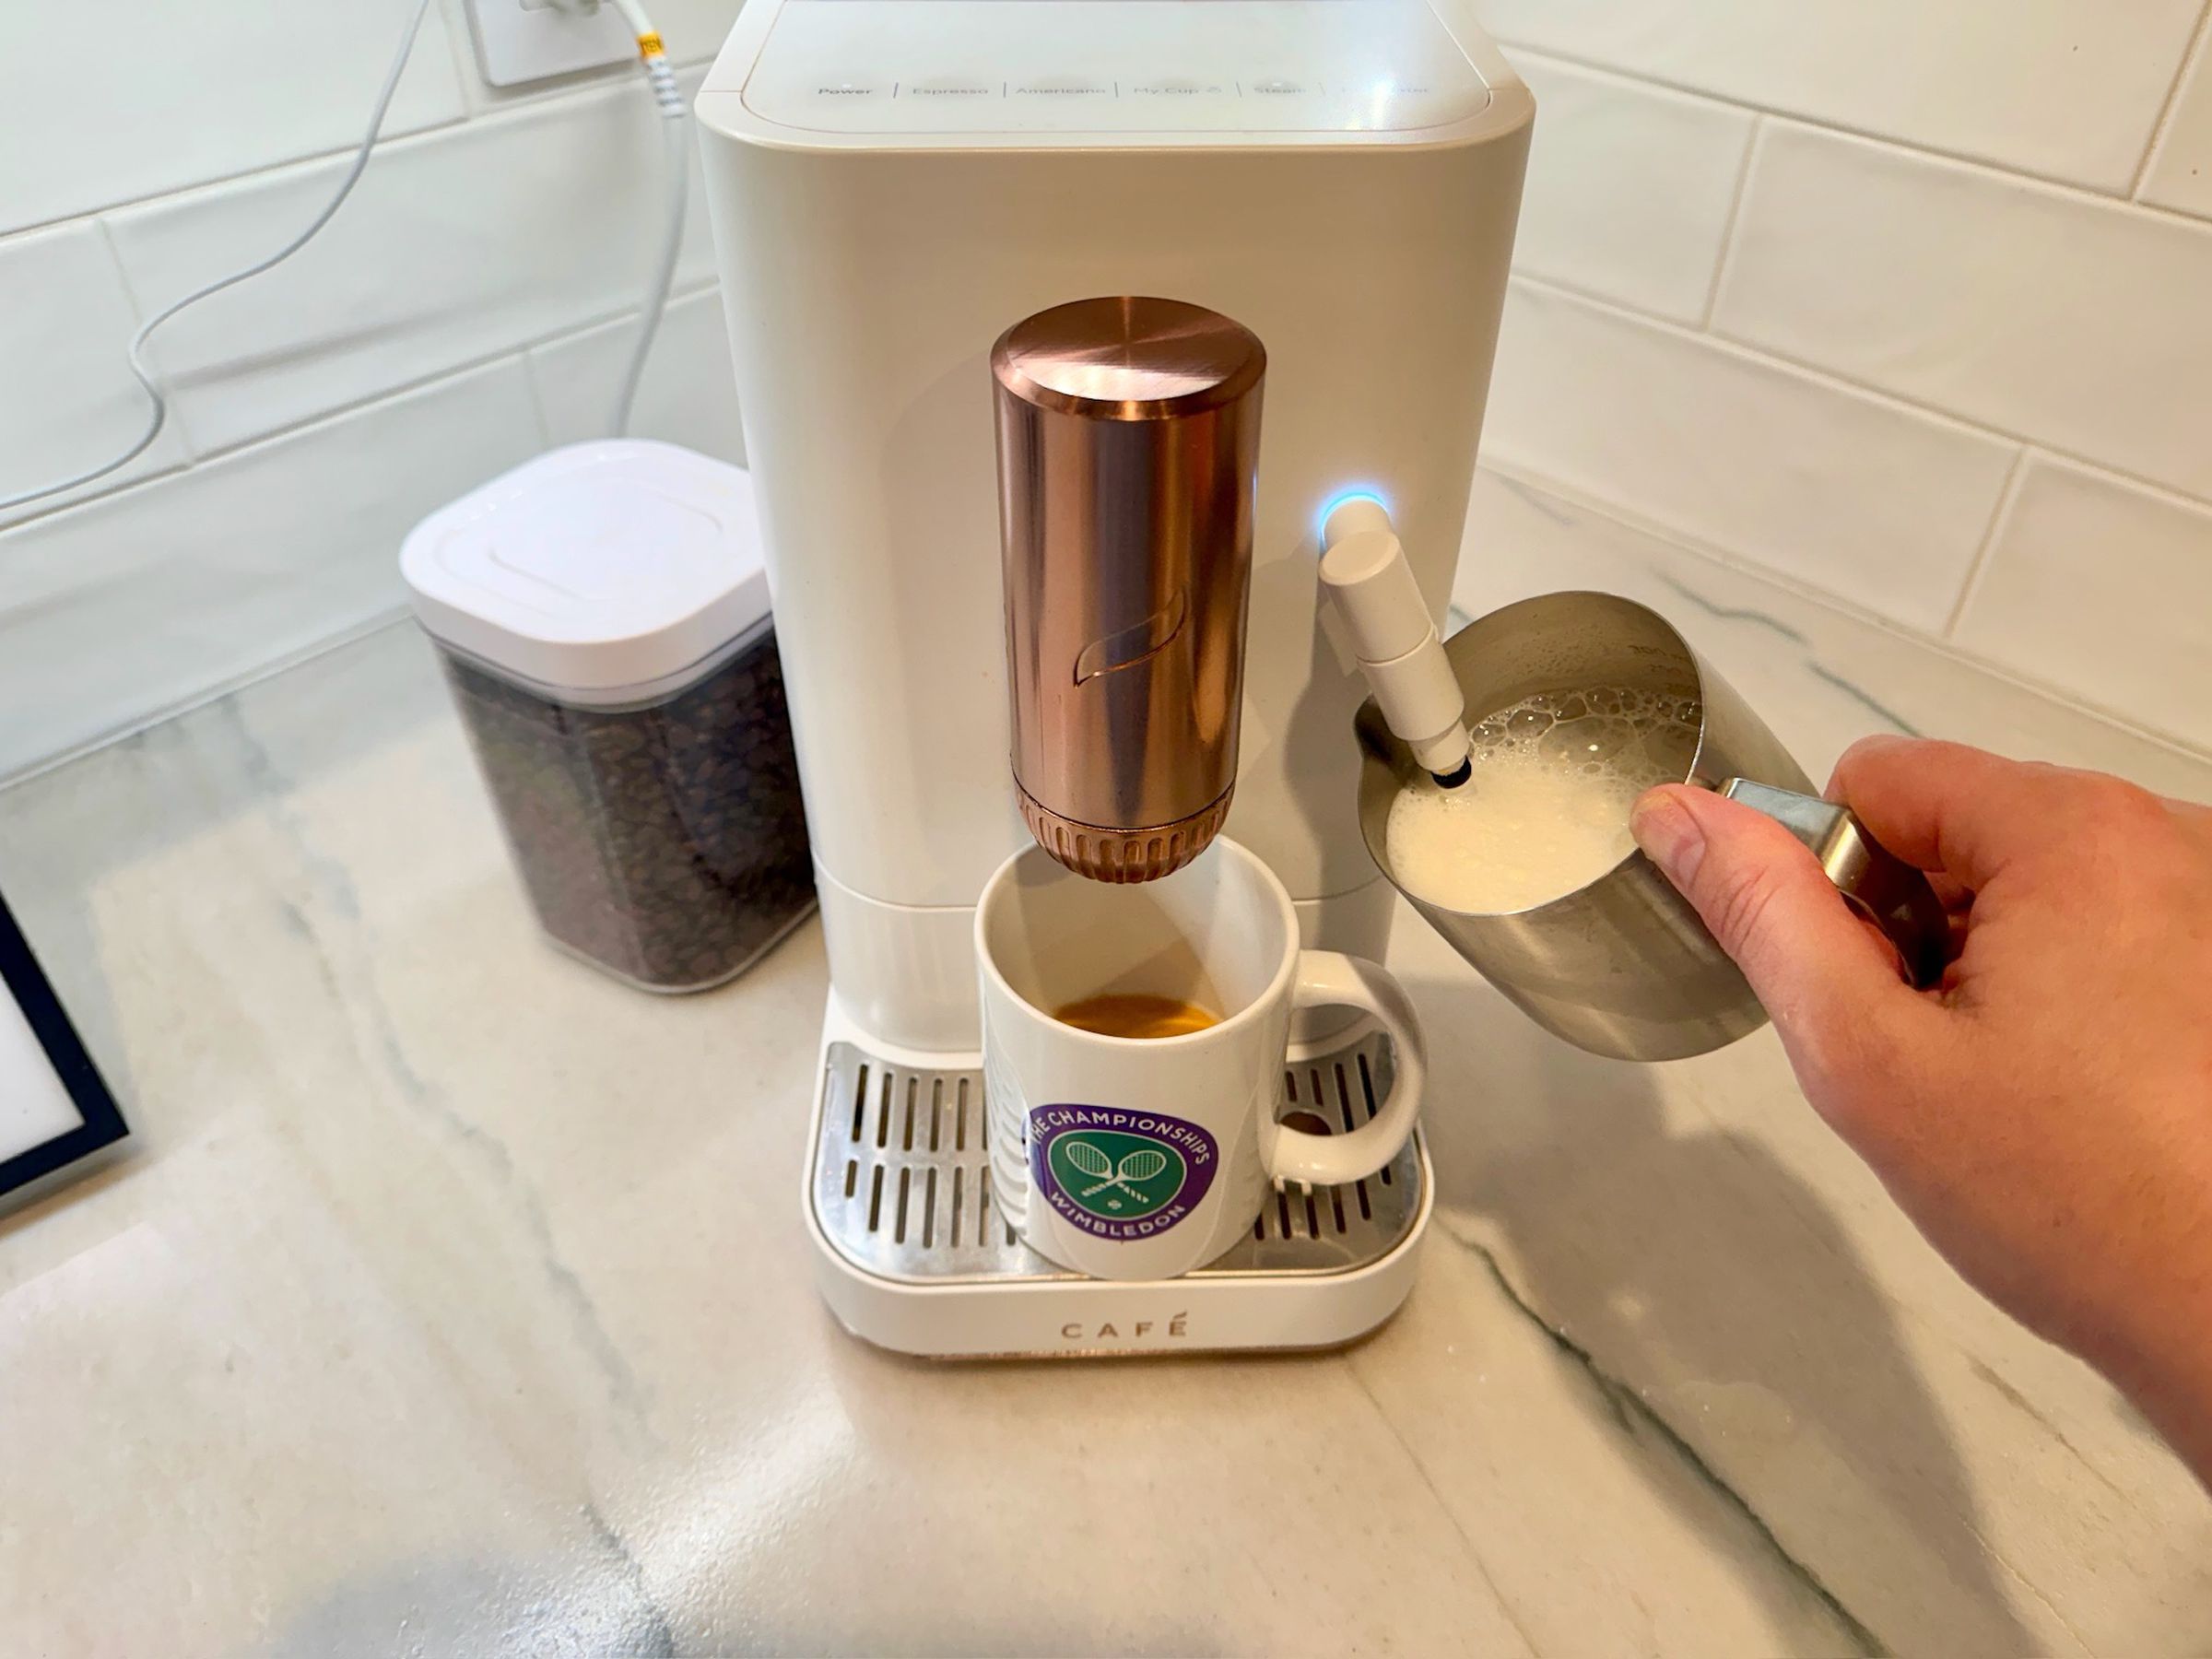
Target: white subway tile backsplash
{"x": 2106, "y": 590}
{"x": 1851, "y": 493}
{"x": 688, "y": 395}
{"x": 1866, "y": 303}
{"x": 113, "y": 611}
{"x": 67, "y": 400}
{"x": 2181, "y": 170}
{"x": 2069, "y": 89}
{"x": 456, "y": 247}
{"x": 2072, "y": 322}
{"x": 1630, "y": 188}
{"x": 111, "y": 101}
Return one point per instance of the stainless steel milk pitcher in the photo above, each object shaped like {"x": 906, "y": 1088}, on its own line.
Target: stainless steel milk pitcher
{"x": 1622, "y": 965}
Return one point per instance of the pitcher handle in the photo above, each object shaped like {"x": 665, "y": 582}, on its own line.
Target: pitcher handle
{"x": 1890, "y": 893}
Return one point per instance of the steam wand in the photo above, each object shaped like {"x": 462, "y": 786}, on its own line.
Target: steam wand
{"x": 1364, "y": 568}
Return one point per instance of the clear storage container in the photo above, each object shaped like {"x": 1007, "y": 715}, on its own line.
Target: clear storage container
{"x": 602, "y": 614}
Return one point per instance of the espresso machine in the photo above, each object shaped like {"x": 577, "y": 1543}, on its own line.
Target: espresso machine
{"x": 1263, "y": 246}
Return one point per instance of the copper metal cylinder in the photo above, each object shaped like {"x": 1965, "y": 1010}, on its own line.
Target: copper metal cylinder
{"x": 1128, "y": 429}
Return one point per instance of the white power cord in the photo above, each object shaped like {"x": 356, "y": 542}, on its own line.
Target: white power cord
{"x": 144, "y": 376}
{"x": 671, "y": 103}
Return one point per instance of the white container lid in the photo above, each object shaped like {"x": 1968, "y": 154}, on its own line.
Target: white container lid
{"x": 603, "y": 572}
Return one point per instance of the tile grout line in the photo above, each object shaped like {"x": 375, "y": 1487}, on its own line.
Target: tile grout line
{"x": 1524, "y": 478}
{"x": 678, "y": 295}
{"x": 353, "y": 633}
{"x": 2193, "y": 53}
{"x": 1745, "y": 351}
{"x": 460, "y": 50}
{"x": 340, "y": 411}
{"x": 1731, "y": 230}
{"x": 1834, "y": 380}
{"x": 604, "y": 82}
{"x": 249, "y": 175}
{"x": 1683, "y": 541}
{"x": 2014, "y": 171}
{"x": 128, "y": 474}
{"x": 1573, "y": 290}
{"x": 172, "y": 419}
{"x": 1680, "y": 540}
{"x": 2000, "y": 517}
{"x": 102, "y": 220}
{"x": 2010, "y": 178}
{"x": 106, "y": 232}
{"x": 605, "y": 78}
{"x": 261, "y": 441}
{"x": 535, "y": 388}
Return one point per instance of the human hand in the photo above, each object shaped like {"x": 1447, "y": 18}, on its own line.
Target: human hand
{"x": 2044, "y": 1116}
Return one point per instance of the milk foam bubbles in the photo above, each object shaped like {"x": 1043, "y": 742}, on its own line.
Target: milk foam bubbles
{"x": 1546, "y": 810}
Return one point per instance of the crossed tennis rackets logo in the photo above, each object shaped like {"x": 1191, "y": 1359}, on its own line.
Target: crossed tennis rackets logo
{"x": 1119, "y": 1175}
{"x": 1141, "y": 1165}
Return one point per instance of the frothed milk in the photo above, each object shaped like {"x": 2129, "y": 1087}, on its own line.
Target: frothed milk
{"x": 1546, "y": 810}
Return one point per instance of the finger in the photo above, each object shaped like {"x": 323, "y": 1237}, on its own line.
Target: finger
{"x": 1832, "y": 989}
{"x": 1953, "y": 894}
{"x": 1947, "y": 806}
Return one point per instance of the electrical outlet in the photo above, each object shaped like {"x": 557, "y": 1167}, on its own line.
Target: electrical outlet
{"x": 523, "y": 41}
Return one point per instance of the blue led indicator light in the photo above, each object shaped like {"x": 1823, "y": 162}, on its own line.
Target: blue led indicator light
{"x": 1358, "y": 492}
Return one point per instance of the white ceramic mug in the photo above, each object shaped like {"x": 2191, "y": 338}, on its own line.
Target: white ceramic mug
{"x": 1143, "y": 1158}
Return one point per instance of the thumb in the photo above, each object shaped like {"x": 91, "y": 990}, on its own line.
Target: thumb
{"x": 1831, "y": 987}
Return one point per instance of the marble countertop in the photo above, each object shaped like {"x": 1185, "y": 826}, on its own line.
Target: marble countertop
{"x": 453, "y": 1299}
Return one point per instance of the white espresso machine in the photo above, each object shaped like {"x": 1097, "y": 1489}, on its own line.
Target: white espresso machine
{"x": 894, "y": 184}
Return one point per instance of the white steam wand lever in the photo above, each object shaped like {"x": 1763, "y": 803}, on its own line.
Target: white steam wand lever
{"x": 1363, "y": 566}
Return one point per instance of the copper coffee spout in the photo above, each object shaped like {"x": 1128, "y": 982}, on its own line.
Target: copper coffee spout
{"x": 1128, "y": 429}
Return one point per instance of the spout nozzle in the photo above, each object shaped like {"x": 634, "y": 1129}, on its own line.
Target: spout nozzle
{"x": 1446, "y": 753}
{"x": 1365, "y": 571}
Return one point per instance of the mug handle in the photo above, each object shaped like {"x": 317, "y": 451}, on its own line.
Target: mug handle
{"x": 1328, "y": 980}
{"x": 1885, "y": 890}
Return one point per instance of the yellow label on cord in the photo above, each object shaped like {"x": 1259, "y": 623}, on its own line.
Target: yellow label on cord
{"x": 649, "y": 45}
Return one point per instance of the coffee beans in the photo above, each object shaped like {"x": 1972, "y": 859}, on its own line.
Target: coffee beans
{"x": 666, "y": 843}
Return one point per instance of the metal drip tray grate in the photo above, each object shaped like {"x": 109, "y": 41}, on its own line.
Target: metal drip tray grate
{"x": 902, "y": 1176}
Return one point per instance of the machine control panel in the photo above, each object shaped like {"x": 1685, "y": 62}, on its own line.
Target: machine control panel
{"x": 1046, "y": 66}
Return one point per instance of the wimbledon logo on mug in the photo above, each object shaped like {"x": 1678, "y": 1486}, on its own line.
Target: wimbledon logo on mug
{"x": 1119, "y": 1175}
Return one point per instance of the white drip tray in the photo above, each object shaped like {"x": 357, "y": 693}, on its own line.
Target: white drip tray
{"x": 916, "y": 1256}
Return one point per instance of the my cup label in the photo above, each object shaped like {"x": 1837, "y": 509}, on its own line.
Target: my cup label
{"x": 1120, "y": 1175}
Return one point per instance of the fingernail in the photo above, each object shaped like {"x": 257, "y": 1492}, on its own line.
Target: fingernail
{"x": 1670, "y": 833}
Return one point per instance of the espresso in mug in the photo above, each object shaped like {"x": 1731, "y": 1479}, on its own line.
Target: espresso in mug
{"x": 1144, "y": 1159}
{"x": 1138, "y": 1015}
